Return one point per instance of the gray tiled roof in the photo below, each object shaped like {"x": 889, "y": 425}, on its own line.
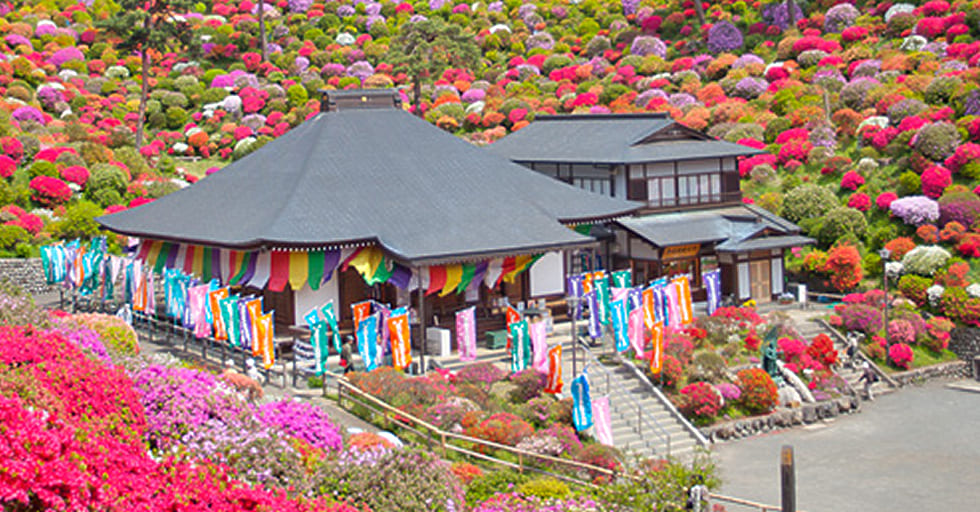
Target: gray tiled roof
{"x": 733, "y": 229}
{"x": 374, "y": 175}
{"x": 610, "y": 139}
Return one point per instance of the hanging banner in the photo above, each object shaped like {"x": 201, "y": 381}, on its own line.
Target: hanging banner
{"x": 539, "y": 345}
{"x": 318, "y": 340}
{"x": 367, "y": 341}
{"x": 636, "y": 334}
{"x": 587, "y": 286}
{"x": 575, "y": 290}
{"x": 466, "y": 333}
{"x": 229, "y": 318}
{"x": 622, "y": 278}
{"x": 384, "y": 313}
{"x": 254, "y": 308}
{"x": 554, "y": 383}
{"x": 53, "y": 263}
{"x": 684, "y": 304}
{"x": 595, "y": 321}
{"x": 581, "y": 402}
{"x": 331, "y": 317}
{"x": 521, "y": 351}
{"x": 672, "y": 306}
{"x": 603, "y": 420}
{"x": 603, "y": 298}
{"x": 360, "y": 311}
{"x": 151, "y": 296}
{"x": 214, "y": 298}
{"x": 712, "y": 284}
{"x": 139, "y": 298}
{"x": 401, "y": 344}
{"x": 197, "y": 299}
{"x": 619, "y": 320}
{"x": 657, "y": 357}
{"x": 266, "y": 334}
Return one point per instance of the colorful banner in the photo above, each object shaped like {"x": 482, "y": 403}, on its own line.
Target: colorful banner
{"x": 657, "y": 357}
{"x": 539, "y": 345}
{"x": 712, "y": 283}
{"x": 521, "y": 350}
{"x": 197, "y": 300}
{"x": 595, "y": 321}
{"x": 229, "y": 318}
{"x": 266, "y": 334}
{"x": 581, "y": 402}
{"x": 603, "y": 420}
{"x": 318, "y": 340}
{"x": 619, "y": 320}
{"x": 466, "y": 333}
{"x": 53, "y": 261}
{"x": 360, "y": 311}
{"x": 637, "y": 335}
{"x": 214, "y": 298}
{"x": 254, "y": 308}
{"x": 685, "y": 305}
{"x": 367, "y": 341}
{"x": 672, "y": 306}
{"x": 401, "y": 344}
{"x": 576, "y": 290}
{"x": 554, "y": 383}
{"x": 331, "y": 317}
{"x": 649, "y": 308}
{"x": 622, "y": 278}
{"x": 602, "y": 298}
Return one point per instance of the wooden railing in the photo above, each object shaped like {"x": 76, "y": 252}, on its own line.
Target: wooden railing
{"x": 470, "y": 447}
{"x": 761, "y": 507}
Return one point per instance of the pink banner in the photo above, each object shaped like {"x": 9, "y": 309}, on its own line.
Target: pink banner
{"x": 636, "y": 332}
{"x": 539, "y": 346}
{"x": 673, "y": 306}
{"x": 602, "y": 419}
{"x": 196, "y": 301}
{"x": 466, "y": 333}
{"x": 619, "y": 294}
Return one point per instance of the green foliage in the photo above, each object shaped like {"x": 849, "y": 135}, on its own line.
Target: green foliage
{"x": 706, "y": 365}
{"x": 425, "y": 49}
{"x": 11, "y": 236}
{"x": 659, "y": 485}
{"x": 489, "y": 484}
{"x": 806, "y": 202}
{"x": 78, "y": 221}
{"x": 297, "y": 95}
{"x": 545, "y": 488}
{"x": 840, "y": 222}
{"x": 925, "y": 260}
{"x": 106, "y": 185}
{"x": 43, "y": 168}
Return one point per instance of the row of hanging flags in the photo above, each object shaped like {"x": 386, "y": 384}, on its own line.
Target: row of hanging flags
{"x": 276, "y": 268}
{"x": 204, "y": 307}
{"x": 632, "y": 312}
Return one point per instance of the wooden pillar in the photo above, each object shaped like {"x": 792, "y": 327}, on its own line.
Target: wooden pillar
{"x": 421, "y": 313}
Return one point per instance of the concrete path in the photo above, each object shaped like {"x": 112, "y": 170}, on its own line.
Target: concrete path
{"x": 917, "y": 449}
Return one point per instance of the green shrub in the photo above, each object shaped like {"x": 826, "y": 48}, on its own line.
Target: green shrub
{"x": 937, "y": 141}
{"x": 11, "y": 236}
{"x": 133, "y": 160}
{"x": 759, "y": 394}
{"x": 807, "y": 201}
{"x": 176, "y": 118}
{"x": 706, "y": 365}
{"x": 545, "y": 488}
{"x": 43, "y": 168}
{"x": 106, "y": 178}
{"x": 117, "y": 336}
{"x": 78, "y": 221}
{"x": 839, "y": 222}
{"x": 925, "y": 260}
{"x": 491, "y": 483}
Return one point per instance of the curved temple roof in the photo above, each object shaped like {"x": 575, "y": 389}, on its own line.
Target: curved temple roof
{"x": 374, "y": 175}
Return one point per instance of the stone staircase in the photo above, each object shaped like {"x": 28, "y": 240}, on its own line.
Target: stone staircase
{"x": 810, "y": 326}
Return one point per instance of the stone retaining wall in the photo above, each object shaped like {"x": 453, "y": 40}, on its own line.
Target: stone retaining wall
{"x": 950, "y": 370}
{"x": 782, "y": 418}
{"x": 965, "y": 342}
{"x": 28, "y": 274}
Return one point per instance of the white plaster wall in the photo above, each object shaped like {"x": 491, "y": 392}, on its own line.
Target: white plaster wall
{"x": 307, "y": 299}
{"x": 548, "y": 275}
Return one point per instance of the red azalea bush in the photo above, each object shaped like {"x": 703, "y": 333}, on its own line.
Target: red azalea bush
{"x": 700, "y": 401}
{"x": 938, "y": 333}
{"x": 672, "y": 370}
{"x": 822, "y": 350}
{"x": 899, "y": 247}
{"x": 503, "y": 427}
{"x": 901, "y": 355}
{"x": 935, "y": 179}
{"x": 901, "y": 331}
{"x": 844, "y": 266}
{"x": 851, "y": 180}
{"x": 49, "y": 191}
{"x": 759, "y": 393}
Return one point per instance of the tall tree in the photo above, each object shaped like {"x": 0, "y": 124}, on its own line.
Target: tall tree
{"x": 426, "y": 49}
{"x": 145, "y": 25}
{"x": 262, "y": 43}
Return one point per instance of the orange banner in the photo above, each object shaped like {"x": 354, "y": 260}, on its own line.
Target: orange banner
{"x": 401, "y": 346}
{"x": 657, "y": 355}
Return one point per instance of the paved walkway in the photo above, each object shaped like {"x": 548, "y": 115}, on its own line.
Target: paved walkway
{"x": 917, "y": 449}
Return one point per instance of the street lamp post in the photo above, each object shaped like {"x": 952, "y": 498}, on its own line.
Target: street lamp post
{"x": 885, "y": 255}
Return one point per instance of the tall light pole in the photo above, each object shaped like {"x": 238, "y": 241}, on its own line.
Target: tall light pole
{"x": 885, "y": 255}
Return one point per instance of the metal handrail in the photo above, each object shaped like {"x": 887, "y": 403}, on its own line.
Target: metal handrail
{"x": 694, "y": 431}
{"x": 432, "y": 433}
{"x": 641, "y": 420}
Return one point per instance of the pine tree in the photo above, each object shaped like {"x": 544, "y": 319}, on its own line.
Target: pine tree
{"x": 427, "y": 48}
{"x": 144, "y": 25}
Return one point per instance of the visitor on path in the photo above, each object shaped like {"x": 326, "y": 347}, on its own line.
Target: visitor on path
{"x": 345, "y": 356}
{"x": 869, "y": 377}
{"x": 853, "y": 342}
{"x": 697, "y": 496}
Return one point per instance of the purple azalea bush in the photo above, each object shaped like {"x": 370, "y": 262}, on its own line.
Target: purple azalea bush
{"x": 915, "y": 210}
{"x": 301, "y": 420}
{"x": 840, "y": 17}
{"x": 724, "y": 37}
{"x": 648, "y": 45}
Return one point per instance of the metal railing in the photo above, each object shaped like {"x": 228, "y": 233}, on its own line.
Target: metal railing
{"x": 467, "y": 446}
{"x": 693, "y": 430}
{"x": 641, "y": 426}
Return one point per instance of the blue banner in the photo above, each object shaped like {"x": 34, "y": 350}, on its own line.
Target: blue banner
{"x": 712, "y": 283}
{"x": 367, "y": 341}
{"x": 582, "y": 402}
{"x": 619, "y": 321}
{"x": 595, "y": 323}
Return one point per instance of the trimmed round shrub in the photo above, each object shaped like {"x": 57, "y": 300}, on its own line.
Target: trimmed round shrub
{"x": 724, "y": 37}
{"x": 925, "y": 260}
{"x": 807, "y": 201}
{"x": 839, "y": 222}
{"x": 759, "y": 393}
{"x": 937, "y": 141}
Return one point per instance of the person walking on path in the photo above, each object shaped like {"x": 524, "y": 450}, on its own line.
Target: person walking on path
{"x": 345, "y": 356}
{"x": 869, "y": 377}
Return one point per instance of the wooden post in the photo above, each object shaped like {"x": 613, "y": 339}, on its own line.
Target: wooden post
{"x": 421, "y": 313}
{"x": 787, "y": 471}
